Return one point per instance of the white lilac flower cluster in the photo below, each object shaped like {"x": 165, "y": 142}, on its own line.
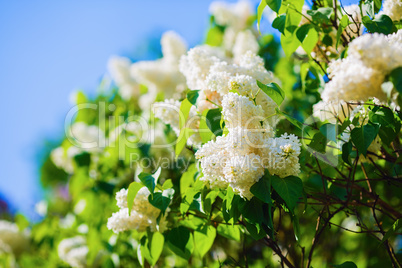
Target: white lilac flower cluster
{"x": 143, "y": 214}
{"x": 393, "y": 9}
{"x": 360, "y": 75}
{"x": 239, "y": 158}
{"x": 237, "y": 39}
{"x": 159, "y": 76}
{"x": 169, "y": 112}
{"x": 206, "y": 69}
{"x": 119, "y": 69}
{"x": 83, "y": 138}
{"x": 74, "y": 251}
{"x": 12, "y": 240}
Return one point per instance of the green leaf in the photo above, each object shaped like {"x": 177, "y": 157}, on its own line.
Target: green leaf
{"x": 310, "y": 40}
{"x": 181, "y": 242}
{"x": 230, "y": 206}
{"x": 209, "y": 200}
{"x": 327, "y": 40}
{"x": 273, "y": 91}
{"x": 329, "y": 131}
{"x": 396, "y": 78}
{"x": 140, "y": 255}
{"x": 279, "y": 23}
{"x": 229, "y": 231}
{"x": 395, "y": 227}
{"x": 213, "y": 120}
{"x": 292, "y": 120}
{"x": 289, "y": 189}
{"x": 255, "y": 230}
{"x": 260, "y": 11}
{"x": 321, "y": 15}
{"x": 83, "y": 159}
{"x": 203, "y": 129}
{"x": 368, "y": 8}
{"x": 377, "y": 6}
{"x": 390, "y": 127}
{"x": 185, "y": 133}
{"x": 187, "y": 200}
{"x": 229, "y": 198}
{"x": 289, "y": 40}
{"x": 204, "y": 239}
{"x": 302, "y": 31}
{"x": 192, "y": 96}
{"x": 318, "y": 143}
{"x": 150, "y": 180}
{"x": 382, "y": 115}
{"x": 156, "y": 246}
{"x": 262, "y": 189}
{"x": 296, "y": 226}
{"x": 252, "y": 210}
{"x": 362, "y": 137}
{"x": 132, "y": 191}
{"x": 185, "y": 107}
{"x": 381, "y": 24}
{"x": 275, "y": 5}
{"x": 187, "y": 179}
{"x": 214, "y": 36}
{"x": 196, "y": 203}
{"x": 346, "y": 150}
{"x": 167, "y": 184}
{"x": 152, "y": 246}
{"x": 21, "y": 222}
{"x": 289, "y": 43}
{"x": 161, "y": 200}
{"x": 346, "y": 264}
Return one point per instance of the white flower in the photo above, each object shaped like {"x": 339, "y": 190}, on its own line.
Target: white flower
{"x": 359, "y": 76}
{"x": 41, "y": 208}
{"x": 232, "y": 15}
{"x": 392, "y": 8}
{"x": 73, "y": 251}
{"x": 248, "y": 64}
{"x": 86, "y": 137}
{"x": 242, "y": 171}
{"x": 375, "y": 51}
{"x": 143, "y": 214}
{"x": 196, "y": 63}
{"x": 119, "y": 69}
{"x": 239, "y": 158}
{"x": 14, "y": 239}
{"x": 173, "y": 46}
{"x": 6, "y": 256}
{"x": 281, "y": 155}
{"x": 245, "y": 41}
{"x": 163, "y": 75}
{"x": 80, "y": 206}
{"x": 169, "y": 112}
{"x": 240, "y": 111}
{"x": 395, "y": 38}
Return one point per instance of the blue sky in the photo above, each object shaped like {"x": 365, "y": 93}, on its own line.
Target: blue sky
{"x": 48, "y": 49}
